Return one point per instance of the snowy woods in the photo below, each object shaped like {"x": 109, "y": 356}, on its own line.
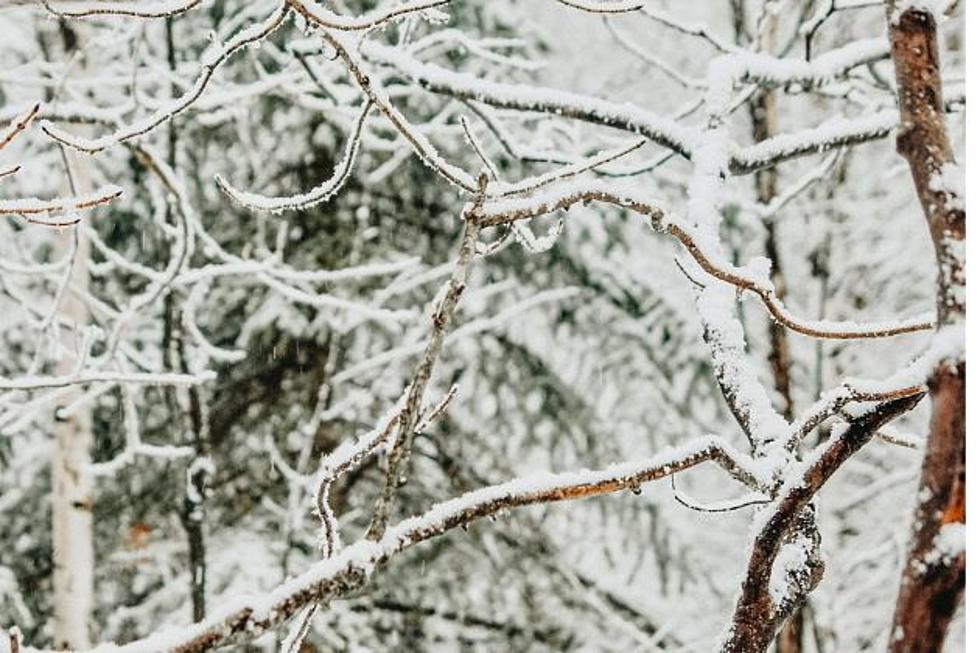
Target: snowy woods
{"x": 482, "y": 325}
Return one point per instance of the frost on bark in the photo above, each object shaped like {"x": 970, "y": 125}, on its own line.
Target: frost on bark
{"x": 767, "y": 597}
{"x": 935, "y": 570}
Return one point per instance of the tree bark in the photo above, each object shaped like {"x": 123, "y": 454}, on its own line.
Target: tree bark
{"x": 933, "y": 579}
{"x": 764, "y": 125}
{"x": 72, "y": 546}
{"x": 763, "y": 108}
{"x": 757, "y": 615}
{"x": 188, "y": 415}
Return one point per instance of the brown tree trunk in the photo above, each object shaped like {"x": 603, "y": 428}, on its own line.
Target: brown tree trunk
{"x": 764, "y": 126}
{"x": 790, "y": 638}
{"x": 763, "y": 108}
{"x": 933, "y": 578}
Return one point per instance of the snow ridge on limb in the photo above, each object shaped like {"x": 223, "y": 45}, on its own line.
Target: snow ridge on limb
{"x": 139, "y": 378}
{"x": 506, "y": 211}
{"x": 32, "y": 206}
{"x": 760, "y": 610}
{"x": 351, "y": 567}
{"x": 322, "y": 193}
{"x": 153, "y": 9}
{"x": 607, "y": 7}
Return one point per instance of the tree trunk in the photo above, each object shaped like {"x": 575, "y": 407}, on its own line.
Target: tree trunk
{"x": 935, "y": 569}
{"x": 764, "y": 126}
{"x": 72, "y": 546}
{"x": 187, "y": 415}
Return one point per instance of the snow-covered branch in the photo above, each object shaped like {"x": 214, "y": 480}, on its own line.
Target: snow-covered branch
{"x": 350, "y": 568}
{"x": 152, "y": 9}
{"x": 501, "y": 212}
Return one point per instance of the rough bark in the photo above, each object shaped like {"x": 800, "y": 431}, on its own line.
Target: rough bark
{"x": 932, "y": 585}
{"x": 757, "y": 616}
{"x": 790, "y": 639}
{"x": 764, "y": 126}
{"x": 932, "y": 581}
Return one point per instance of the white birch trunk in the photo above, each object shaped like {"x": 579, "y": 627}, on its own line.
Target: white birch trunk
{"x": 73, "y": 550}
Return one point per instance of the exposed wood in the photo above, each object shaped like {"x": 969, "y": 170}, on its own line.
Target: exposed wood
{"x": 757, "y": 616}
{"x": 933, "y": 580}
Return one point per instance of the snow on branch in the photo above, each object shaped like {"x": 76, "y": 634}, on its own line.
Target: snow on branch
{"x": 319, "y": 15}
{"x": 153, "y": 9}
{"x": 607, "y": 7}
{"x": 777, "y": 71}
{"x": 211, "y": 60}
{"x": 410, "y": 416}
{"x": 322, "y": 193}
{"x": 349, "y": 455}
{"x": 501, "y": 212}
{"x": 497, "y": 190}
{"x": 833, "y": 401}
{"x": 32, "y": 208}
{"x": 834, "y": 133}
{"x": 18, "y": 125}
{"x": 66, "y": 206}
{"x": 465, "y": 86}
{"x": 785, "y": 560}
{"x": 373, "y": 91}
{"x": 759, "y": 610}
{"x": 137, "y": 378}
{"x": 743, "y": 392}
{"x": 350, "y": 568}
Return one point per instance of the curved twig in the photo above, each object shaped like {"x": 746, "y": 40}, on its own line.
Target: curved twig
{"x": 160, "y": 9}
{"x": 29, "y": 206}
{"x": 503, "y": 212}
{"x": 611, "y": 7}
{"x": 322, "y": 193}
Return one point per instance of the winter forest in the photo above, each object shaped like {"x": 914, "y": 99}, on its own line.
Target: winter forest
{"x": 482, "y": 325}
